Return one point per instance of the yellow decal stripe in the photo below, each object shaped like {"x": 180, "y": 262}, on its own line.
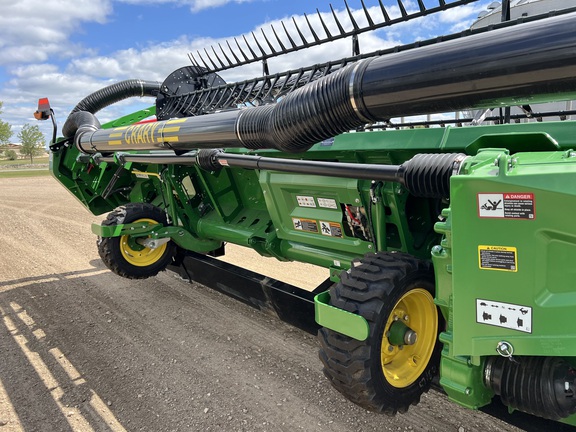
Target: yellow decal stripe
{"x": 145, "y": 173}
{"x": 115, "y": 142}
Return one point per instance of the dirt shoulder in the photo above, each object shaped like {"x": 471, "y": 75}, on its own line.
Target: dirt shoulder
{"x": 82, "y": 349}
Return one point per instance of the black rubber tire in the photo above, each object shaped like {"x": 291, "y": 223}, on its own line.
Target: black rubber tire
{"x": 109, "y": 248}
{"x": 372, "y": 288}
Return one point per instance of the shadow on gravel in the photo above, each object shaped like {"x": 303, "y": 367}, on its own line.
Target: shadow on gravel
{"x": 41, "y": 389}
{"x": 7, "y": 285}
{"x": 87, "y": 350}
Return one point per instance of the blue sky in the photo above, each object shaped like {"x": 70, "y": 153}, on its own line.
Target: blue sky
{"x": 66, "y": 49}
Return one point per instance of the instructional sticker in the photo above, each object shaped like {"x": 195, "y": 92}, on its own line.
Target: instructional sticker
{"x": 498, "y": 258}
{"x": 327, "y": 203}
{"x": 506, "y": 205}
{"x": 305, "y": 201}
{"x": 308, "y": 225}
{"x": 330, "y": 229}
{"x": 507, "y": 315}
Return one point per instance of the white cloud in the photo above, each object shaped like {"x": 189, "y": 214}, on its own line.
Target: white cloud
{"x": 461, "y": 18}
{"x": 195, "y": 5}
{"x": 34, "y": 30}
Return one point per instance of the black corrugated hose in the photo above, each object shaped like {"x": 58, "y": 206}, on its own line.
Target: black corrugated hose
{"x": 83, "y": 113}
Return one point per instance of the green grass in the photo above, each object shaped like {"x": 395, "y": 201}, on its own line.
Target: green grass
{"x": 36, "y": 169}
{"x": 37, "y": 160}
{"x": 24, "y": 173}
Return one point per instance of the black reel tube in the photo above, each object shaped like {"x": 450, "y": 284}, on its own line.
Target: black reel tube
{"x": 507, "y": 66}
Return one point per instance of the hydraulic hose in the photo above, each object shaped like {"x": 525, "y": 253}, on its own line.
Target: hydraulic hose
{"x": 525, "y": 64}
{"x": 107, "y": 96}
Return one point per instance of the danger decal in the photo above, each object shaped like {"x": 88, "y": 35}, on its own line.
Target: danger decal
{"x": 507, "y": 205}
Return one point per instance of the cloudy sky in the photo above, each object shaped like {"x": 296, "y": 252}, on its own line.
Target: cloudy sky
{"x": 66, "y": 49}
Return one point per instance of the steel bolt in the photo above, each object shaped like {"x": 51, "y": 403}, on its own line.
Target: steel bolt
{"x": 410, "y": 337}
{"x": 437, "y": 249}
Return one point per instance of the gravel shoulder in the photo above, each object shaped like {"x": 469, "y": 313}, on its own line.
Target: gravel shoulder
{"x": 82, "y": 349}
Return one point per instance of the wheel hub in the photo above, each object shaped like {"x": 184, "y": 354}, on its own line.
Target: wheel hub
{"x": 137, "y": 254}
{"x": 409, "y": 338}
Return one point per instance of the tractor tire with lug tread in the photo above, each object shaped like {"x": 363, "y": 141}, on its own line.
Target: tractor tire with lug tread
{"x": 384, "y": 287}
{"x": 122, "y": 255}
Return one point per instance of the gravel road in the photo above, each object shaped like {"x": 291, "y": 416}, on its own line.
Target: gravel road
{"x": 82, "y": 349}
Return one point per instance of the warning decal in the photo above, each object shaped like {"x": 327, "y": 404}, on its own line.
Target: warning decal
{"x": 308, "y": 225}
{"x": 498, "y": 258}
{"x": 507, "y": 205}
{"x": 331, "y": 229}
{"x": 511, "y": 316}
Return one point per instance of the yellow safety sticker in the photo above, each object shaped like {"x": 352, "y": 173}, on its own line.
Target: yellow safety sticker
{"x": 503, "y": 258}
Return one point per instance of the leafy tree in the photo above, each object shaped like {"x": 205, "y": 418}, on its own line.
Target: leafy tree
{"x": 5, "y": 131}
{"x": 32, "y": 141}
{"x": 11, "y": 154}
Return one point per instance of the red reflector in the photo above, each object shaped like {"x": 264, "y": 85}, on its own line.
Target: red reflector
{"x": 43, "y": 112}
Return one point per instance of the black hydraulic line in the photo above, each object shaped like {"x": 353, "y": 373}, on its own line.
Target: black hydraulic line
{"x": 80, "y": 122}
{"x": 107, "y": 96}
{"x": 424, "y": 175}
{"x": 221, "y": 159}
{"x": 329, "y": 169}
{"x": 159, "y": 159}
{"x": 461, "y": 121}
{"x": 117, "y": 92}
{"x": 505, "y": 66}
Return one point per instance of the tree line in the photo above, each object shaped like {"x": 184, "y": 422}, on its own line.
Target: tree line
{"x": 30, "y": 136}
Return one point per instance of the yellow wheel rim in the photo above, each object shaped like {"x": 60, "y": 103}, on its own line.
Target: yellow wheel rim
{"x": 402, "y": 365}
{"x": 140, "y": 256}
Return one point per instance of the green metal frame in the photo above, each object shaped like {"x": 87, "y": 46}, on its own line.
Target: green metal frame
{"x": 259, "y": 209}
{"x": 341, "y": 321}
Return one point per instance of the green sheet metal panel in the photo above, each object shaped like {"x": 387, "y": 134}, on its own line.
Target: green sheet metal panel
{"x": 308, "y": 209}
{"x": 513, "y": 249}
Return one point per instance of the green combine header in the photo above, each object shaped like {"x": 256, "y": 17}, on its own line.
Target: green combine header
{"x": 448, "y": 245}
